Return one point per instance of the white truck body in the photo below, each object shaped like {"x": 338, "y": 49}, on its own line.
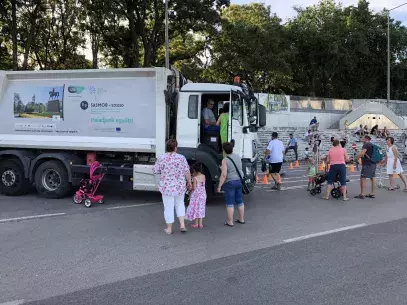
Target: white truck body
{"x": 51, "y": 122}
{"x": 120, "y": 111}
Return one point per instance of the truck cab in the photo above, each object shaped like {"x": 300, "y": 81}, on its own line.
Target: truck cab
{"x": 198, "y": 144}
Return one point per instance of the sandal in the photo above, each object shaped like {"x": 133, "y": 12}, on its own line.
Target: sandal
{"x": 201, "y": 226}
{"x": 371, "y": 196}
{"x": 390, "y": 189}
{"x": 360, "y": 196}
{"x": 345, "y": 199}
{"x": 184, "y": 230}
{"x": 325, "y": 198}
{"x": 240, "y": 222}
{"x": 228, "y": 225}
{"x": 195, "y": 226}
{"x": 405, "y": 190}
{"x": 167, "y": 232}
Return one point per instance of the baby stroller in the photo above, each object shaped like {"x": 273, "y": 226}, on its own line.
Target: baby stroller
{"x": 320, "y": 179}
{"x": 88, "y": 187}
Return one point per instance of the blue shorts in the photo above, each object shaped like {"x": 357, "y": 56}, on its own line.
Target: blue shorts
{"x": 334, "y": 171}
{"x": 233, "y": 193}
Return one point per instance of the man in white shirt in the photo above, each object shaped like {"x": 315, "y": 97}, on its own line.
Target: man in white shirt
{"x": 275, "y": 154}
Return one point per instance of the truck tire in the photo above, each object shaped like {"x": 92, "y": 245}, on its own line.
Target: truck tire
{"x": 13, "y": 182}
{"x": 52, "y": 181}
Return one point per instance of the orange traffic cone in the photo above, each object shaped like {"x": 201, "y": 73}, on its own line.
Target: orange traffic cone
{"x": 291, "y": 166}
{"x": 265, "y": 181}
{"x": 322, "y": 166}
{"x": 352, "y": 168}
{"x": 297, "y": 164}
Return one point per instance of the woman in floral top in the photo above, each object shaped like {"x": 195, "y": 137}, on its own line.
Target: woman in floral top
{"x": 175, "y": 178}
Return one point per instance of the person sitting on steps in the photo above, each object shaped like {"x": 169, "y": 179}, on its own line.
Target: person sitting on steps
{"x": 313, "y": 125}
{"x": 375, "y": 130}
{"x": 385, "y": 132}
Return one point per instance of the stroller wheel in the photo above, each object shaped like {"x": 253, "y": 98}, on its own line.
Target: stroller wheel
{"x": 397, "y": 186}
{"x": 379, "y": 185}
{"x": 318, "y": 190}
{"x": 77, "y": 199}
{"x": 101, "y": 201}
{"x": 336, "y": 193}
{"x": 313, "y": 192}
{"x": 88, "y": 203}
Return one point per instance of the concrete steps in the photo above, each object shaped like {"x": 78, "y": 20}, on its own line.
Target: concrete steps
{"x": 264, "y": 136}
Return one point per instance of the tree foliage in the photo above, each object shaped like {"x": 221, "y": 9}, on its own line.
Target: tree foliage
{"x": 326, "y": 50}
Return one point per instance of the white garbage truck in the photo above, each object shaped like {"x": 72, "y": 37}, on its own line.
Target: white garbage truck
{"x": 54, "y": 124}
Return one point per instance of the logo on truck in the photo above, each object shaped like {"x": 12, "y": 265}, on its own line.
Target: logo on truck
{"x": 84, "y": 105}
{"x": 75, "y": 89}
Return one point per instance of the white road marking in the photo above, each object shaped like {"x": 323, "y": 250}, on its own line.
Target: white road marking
{"x": 324, "y": 233}
{"x": 132, "y": 206}
{"x": 30, "y": 217}
{"x": 17, "y": 302}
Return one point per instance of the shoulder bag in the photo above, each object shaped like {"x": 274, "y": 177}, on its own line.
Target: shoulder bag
{"x": 246, "y": 188}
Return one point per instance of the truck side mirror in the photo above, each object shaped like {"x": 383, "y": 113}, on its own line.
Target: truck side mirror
{"x": 262, "y": 116}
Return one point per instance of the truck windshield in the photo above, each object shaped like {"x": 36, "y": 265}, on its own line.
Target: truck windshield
{"x": 237, "y": 108}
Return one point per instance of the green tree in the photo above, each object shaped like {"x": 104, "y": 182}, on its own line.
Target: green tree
{"x": 252, "y": 44}
{"x": 59, "y": 38}
{"x": 135, "y": 29}
{"x": 5, "y": 36}
{"x": 342, "y": 51}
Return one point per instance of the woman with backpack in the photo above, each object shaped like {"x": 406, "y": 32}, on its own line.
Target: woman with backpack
{"x": 393, "y": 165}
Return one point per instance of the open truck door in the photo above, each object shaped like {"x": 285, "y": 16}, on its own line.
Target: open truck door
{"x": 189, "y": 122}
{"x": 236, "y": 122}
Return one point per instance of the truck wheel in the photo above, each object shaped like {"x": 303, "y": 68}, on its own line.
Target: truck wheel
{"x": 13, "y": 182}
{"x": 52, "y": 181}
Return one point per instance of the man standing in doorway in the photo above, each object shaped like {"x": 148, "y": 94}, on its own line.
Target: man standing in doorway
{"x": 209, "y": 117}
{"x": 368, "y": 169}
{"x": 275, "y": 154}
{"x": 292, "y": 145}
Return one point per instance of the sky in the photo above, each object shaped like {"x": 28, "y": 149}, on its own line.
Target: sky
{"x": 41, "y": 93}
{"x": 284, "y": 10}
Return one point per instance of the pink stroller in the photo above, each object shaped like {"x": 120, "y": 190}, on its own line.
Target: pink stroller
{"x": 88, "y": 187}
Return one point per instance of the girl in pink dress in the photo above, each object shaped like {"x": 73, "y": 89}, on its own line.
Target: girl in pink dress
{"x": 197, "y": 201}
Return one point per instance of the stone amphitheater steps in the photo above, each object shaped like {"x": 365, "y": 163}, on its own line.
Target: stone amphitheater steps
{"x": 264, "y": 136}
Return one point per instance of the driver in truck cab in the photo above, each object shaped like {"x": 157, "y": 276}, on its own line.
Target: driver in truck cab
{"x": 209, "y": 117}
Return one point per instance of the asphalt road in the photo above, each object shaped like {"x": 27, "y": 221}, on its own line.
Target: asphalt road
{"x": 117, "y": 253}
{"x": 361, "y": 267}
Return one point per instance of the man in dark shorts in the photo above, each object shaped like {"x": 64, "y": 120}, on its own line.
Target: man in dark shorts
{"x": 275, "y": 154}
{"x": 368, "y": 169}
